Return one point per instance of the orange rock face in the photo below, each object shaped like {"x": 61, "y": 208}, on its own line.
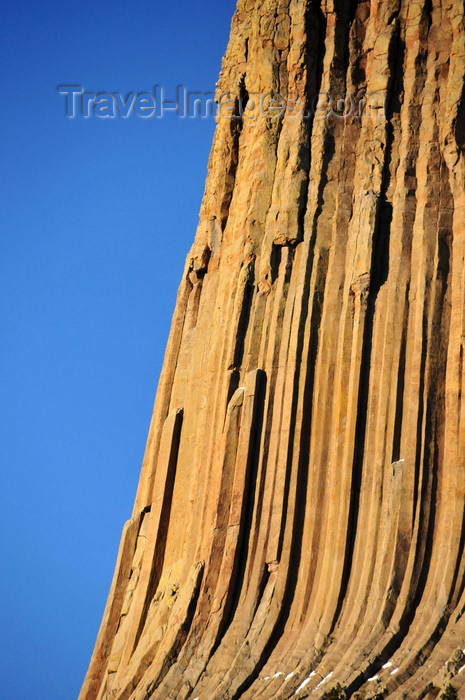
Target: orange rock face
{"x": 299, "y": 522}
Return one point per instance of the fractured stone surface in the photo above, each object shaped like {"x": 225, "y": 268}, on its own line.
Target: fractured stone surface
{"x": 299, "y": 521}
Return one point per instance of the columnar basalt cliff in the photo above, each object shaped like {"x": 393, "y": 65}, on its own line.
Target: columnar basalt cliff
{"x": 299, "y": 522}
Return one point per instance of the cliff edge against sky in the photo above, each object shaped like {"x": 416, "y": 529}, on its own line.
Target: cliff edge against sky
{"x": 299, "y": 521}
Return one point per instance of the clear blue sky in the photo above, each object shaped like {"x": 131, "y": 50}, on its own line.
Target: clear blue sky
{"x": 97, "y": 218}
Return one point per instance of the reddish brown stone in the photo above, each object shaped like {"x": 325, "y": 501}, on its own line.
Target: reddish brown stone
{"x": 299, "y": 521}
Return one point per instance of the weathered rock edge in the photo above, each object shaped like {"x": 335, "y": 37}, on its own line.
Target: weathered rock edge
{"x": 300, "y": 515}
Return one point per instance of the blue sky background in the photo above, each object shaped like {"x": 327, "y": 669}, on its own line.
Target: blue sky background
{"x": 97, "y": 218}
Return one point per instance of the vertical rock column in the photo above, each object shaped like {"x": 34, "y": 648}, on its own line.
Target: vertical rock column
{"x": 299, "y": 521}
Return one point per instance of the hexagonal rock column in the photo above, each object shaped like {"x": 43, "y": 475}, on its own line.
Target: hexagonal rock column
{"x": 299, "y": 522}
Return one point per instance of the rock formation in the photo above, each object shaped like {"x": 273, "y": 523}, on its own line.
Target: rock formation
{"x": 299, "y": 522}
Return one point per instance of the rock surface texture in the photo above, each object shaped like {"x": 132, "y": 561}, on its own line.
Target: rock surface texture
{"x": 300, "y": 518}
